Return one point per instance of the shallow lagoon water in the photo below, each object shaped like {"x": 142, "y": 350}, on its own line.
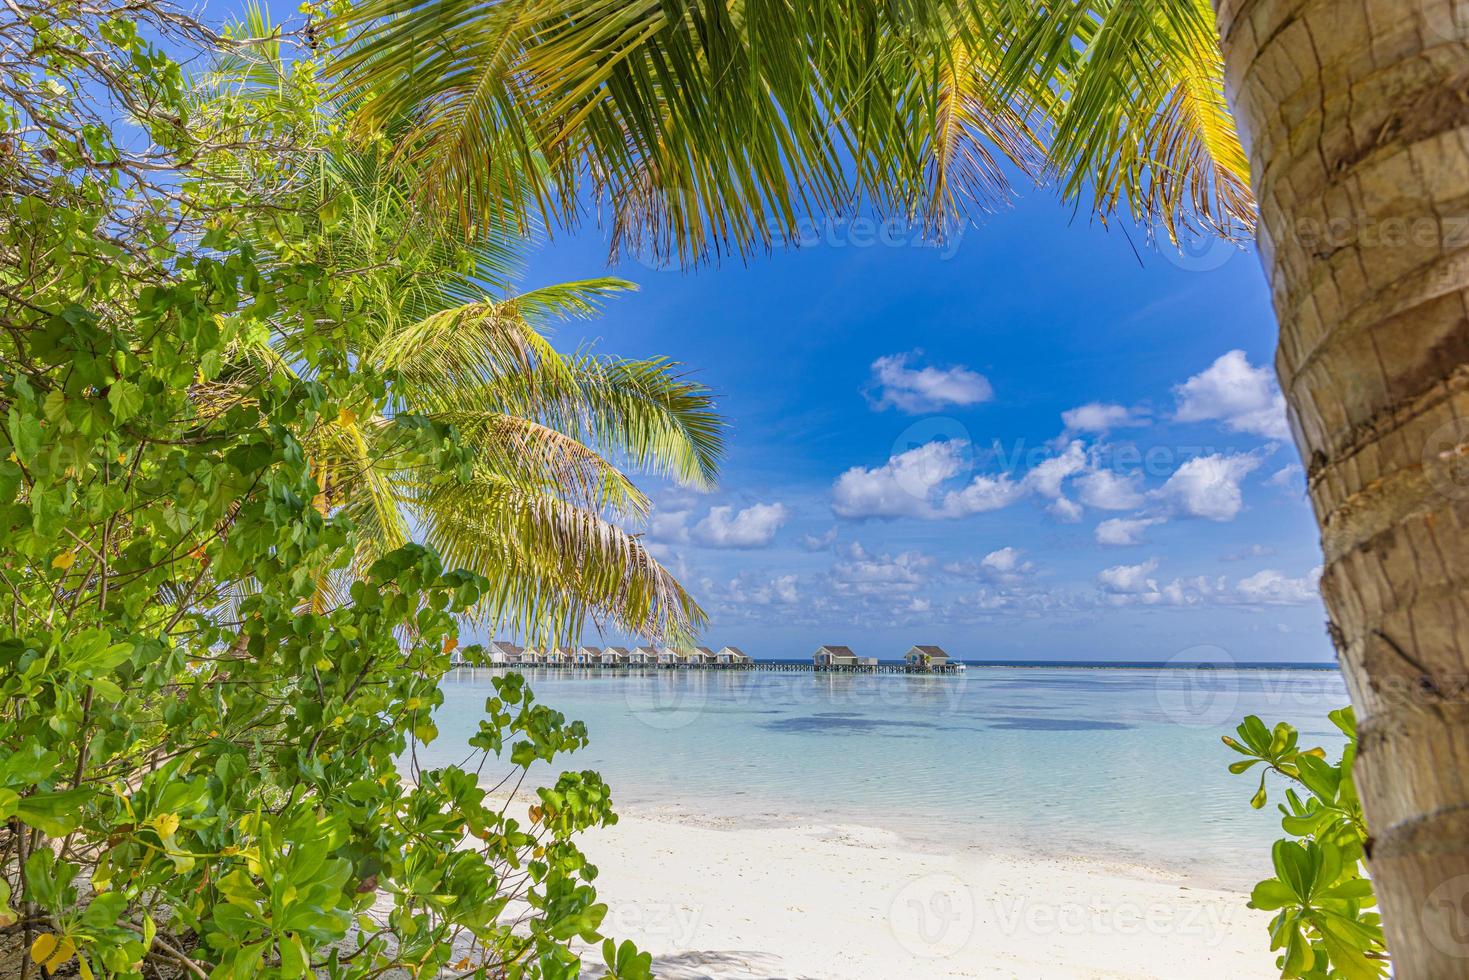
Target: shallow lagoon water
{"x": 1117, "y": 764}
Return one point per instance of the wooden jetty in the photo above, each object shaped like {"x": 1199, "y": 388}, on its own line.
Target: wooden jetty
{"x": 828, "y": 659}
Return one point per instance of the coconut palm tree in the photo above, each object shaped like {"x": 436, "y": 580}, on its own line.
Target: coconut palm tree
{"x": 544, "y": 440}
{"x": 715, "y": 127}
{"x": 537, "y": 506}
{"x": 1359, "y": 148}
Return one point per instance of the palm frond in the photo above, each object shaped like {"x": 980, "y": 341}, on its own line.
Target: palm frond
{"x": 464, "y": 345}
{"x": 530, "y": 454}
{"x": 1136, "y": 95}
{"x": 640, "y": 411}
{"x": 710, "y": 129}
{"x": 551, "y": 564}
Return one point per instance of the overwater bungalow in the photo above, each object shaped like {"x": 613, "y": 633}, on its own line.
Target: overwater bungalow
{"x": 532, "y": 655}
{"x": 703, "y": 657}
{"x": 564, "y": 656}
{"x": 833, "y": 656}
{"x": 615, "y": 655}
{"x": 926, "y": 656}
{"x": 586, "y": 656}
{"x": 731, "y": 656}
{"x": 503, "y": 652}
{"x": 642, "y": 656}
{"x": 668, "y": 657}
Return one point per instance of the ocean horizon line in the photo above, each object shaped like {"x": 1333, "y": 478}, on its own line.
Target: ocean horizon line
{"x": 1107, "y": 664}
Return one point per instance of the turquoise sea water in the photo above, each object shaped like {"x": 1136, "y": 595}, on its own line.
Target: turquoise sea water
{"x": 1121, "y": 764}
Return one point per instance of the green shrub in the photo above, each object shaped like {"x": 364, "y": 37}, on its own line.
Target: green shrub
{"x": 202, "y": 767}
{"x": 1320, "y": 893}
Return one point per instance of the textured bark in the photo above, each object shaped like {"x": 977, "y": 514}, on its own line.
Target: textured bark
{"x": 1356, "y": 115}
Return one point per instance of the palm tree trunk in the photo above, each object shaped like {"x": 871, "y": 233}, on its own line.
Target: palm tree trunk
{"x": 1356, "y": 115}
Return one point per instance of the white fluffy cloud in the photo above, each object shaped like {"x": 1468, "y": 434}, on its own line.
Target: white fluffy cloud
{"x": 1129, "y": 579}
{"x": 1290, "y": 477}
{"x": 983, "y": 493}
{"x": 669, "y": 525}
{"x": 819, "y": 542}
{"x": 722, "y": 527}
{"x": 1003, "y": 565}
{"x": 1270, "y": 587}
{"x": 1209, "y": 486}
{"x": 925, "y": 389}
{"x": 752, "y": 527}
{"x": 913, "y": 484}
{"x": 1108, "y": 490}
{"x": 1065, "y": 510}
{"x": 1006, "y": 563}
{"x": 1137, "y": 585}
{"x": 1123, "y": 531}
{"x": 903, "y": 486}
{"x": 1046, "y": 477}
{"x": 748, "y": 589}
{"x": 865, "y": 574}
{"x": 1232, "y": 391}
{"x": 1100, "y": 417}
{"x": 1249, "y": 551}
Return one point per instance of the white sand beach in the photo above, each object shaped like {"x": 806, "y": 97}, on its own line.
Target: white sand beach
{"x": 849, "y": 903}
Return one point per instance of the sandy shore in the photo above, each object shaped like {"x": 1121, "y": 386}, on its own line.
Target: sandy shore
{"x": 848, "y": 903}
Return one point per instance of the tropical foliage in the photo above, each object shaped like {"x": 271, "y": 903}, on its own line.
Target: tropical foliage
{"x": 535, "y": 509}
{"x": 1324, "y": 926}
{"x": 210, "y": 392}
{"x": 709, "y": 128}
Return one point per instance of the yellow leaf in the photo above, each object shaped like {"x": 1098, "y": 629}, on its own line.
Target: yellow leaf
{"x": 84, "y": 968}
{"x": 346, "y": 416}
{"x": 64, "y": 560}
{"x": 535, "y": 814}
{"x": 450, "y": 642}
{"x": 64, "y": 951}
{"x": 165, "y": 824}
{"x": 42, "y": 948}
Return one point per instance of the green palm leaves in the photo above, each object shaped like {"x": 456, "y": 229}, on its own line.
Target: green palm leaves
{"x": 543, "y": 441}
{"x": 1134, "y": 95}
{"x": 709, "y": 127}
{"x": 545, "y": 436}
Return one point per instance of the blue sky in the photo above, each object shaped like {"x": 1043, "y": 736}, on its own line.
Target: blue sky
{"x": 899, "y": 466}
{"x": 1044, "y": 440}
